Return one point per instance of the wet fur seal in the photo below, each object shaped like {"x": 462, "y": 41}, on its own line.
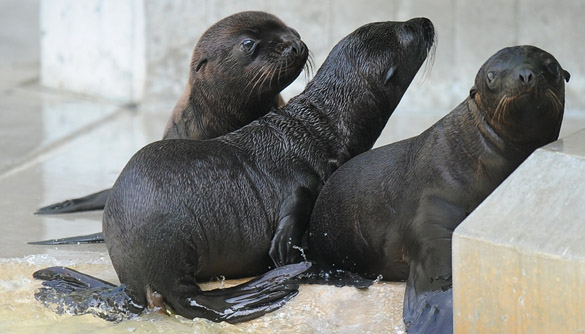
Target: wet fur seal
{"x": 238, "y": 68}
{"x": 183, "y": 211}
{"x": 392, "y": 210}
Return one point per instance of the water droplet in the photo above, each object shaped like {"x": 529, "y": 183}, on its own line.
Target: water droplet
{"x": 301, "y": 250}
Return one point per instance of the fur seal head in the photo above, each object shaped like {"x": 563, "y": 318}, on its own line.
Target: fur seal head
{"x": 238, "y": 68}
{"x": 372, "y": 68}
{"x": 267, "y": 54}
{"x": 520, "y": 92}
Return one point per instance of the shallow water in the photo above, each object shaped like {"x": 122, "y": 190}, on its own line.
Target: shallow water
{"x": 316, "y": 309}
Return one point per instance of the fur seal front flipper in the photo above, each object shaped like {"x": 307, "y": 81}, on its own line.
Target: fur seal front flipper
{"x": 295, "y": 212}
{"x": 247, "y": 301}
{"x": 234, "y": 78}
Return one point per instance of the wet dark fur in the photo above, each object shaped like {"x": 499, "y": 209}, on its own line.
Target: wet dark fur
{"x": 229, "y": 86}
{"x": 392, "y": 210}
{"x": 183, "y": 210}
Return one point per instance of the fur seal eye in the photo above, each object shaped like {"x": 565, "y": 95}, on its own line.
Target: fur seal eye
{"x": 472, "y": 92}
{"x": 491, "y": 76}
{"x": 389, "y": 74}
{"x": 553, "y": 68}
{"x": 201, "y": 63}
{"x": 408, "y": 28}
{"x": 248, "y": 45}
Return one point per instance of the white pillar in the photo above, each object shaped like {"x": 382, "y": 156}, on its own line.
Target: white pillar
{"x": 95, "y": 47}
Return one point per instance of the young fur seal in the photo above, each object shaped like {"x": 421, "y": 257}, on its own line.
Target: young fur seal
{"x": 238, "y": 68}
{"x": 392, "y": 210}
{"x": 183, "y": 210}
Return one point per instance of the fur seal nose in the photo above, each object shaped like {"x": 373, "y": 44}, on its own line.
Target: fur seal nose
{"x": 428, "y": 26}
{"x": 524, "y": 75}
{"x": 295, "y": 47}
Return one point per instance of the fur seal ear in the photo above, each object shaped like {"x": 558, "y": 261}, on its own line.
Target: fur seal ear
{"x": 201, "y": 63}
{"x": 566, "y": 75}
{"x": 389, "y": 74}
{"x": 472, "y": 92}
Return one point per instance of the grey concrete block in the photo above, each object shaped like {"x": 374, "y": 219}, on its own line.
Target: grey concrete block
{"x": 519, "y": 258}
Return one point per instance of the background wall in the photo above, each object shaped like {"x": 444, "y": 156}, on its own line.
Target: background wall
{"x": 469, "y": 31}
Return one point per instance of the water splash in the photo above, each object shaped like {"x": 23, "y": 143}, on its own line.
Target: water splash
{"x": 378, "y": 279}
{"x": 300, "y": 249}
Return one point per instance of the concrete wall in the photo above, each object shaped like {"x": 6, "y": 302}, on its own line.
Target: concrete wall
{"x": 469, "y": 32}
{"x": 94, "y": 47}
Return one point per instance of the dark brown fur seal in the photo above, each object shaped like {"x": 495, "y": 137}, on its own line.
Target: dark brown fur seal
{"x": 392, "y": 210}
{"x": 238, "y": 68}
{"x": 183, "y": 210}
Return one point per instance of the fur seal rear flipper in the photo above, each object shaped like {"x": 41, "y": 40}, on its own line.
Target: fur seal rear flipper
{"x": 69, "y": 291}
{"x": 82, "y": 239}
{"x": 94, "y": 201}
{"x": 238, "y": 68}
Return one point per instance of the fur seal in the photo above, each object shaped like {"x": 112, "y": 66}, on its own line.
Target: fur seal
{"x": 392, "y": 210}
{"x": 183, "y": 210}
{"x": 238, "y": 68}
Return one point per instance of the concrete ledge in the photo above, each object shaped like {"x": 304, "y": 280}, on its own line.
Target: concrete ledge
{"x": 519, "y": 258}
